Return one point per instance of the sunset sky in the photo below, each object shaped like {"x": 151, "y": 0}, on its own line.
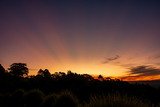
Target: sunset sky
{"x": 117, "y": 38}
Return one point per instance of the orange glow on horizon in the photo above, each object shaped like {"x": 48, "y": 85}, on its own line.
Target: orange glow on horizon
{"x": 86, "y": 68}
{"x": 140, "y": 78}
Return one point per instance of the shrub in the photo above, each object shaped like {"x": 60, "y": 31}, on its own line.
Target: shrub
{"x": 33, "y": 98}
{"x": 116, "y": 101}
{"x": 50, "y": 100}
{"x": 66, "y": 99}
{"x": 17, "y": 98}
{"x": 5, "y": 100}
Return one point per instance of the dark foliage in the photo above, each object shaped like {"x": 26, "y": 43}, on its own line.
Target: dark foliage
{"x": 17, "y": 98}
{"x": 33, "y": 98}
{"x": 66, "y": 99}
{"x": 18, "y": 69}
{"x": 2, "y": 70}
{"x": 50, "y": 101}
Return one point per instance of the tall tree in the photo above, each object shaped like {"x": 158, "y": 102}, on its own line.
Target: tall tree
{"x": 2, "y": 70}
{"x": 19, "y": 69}
{"x": 44, "y": 73}
{"x": 100, "y": 77}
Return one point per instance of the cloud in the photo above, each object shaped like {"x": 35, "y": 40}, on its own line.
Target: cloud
{"x": 144, "y": 71}
{"x": 110, "y": 59}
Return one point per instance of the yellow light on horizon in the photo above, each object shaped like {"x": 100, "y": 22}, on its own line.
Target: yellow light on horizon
{"x": 85, "y": 68}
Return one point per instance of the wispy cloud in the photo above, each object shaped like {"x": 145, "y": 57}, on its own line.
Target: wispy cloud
{"x": 144, "y": 71}
{"x": 110, "y": 59}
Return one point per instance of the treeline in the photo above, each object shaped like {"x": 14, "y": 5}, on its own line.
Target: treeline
{"x": 16, "y": 84}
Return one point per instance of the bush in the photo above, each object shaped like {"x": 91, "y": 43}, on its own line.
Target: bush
{"x": 17, "y": 98}
{"x": 115, "y": 101}
{"x": 5, "y": 100}
{"x": 66, "y": 99}
{"x": 33, "y": 98}
{"x": 50, "y": 101}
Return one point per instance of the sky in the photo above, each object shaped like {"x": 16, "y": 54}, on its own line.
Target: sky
{"x": 115, "y": 38}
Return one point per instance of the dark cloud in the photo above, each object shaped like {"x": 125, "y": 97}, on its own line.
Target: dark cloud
{"x": 110, "y": 59}
{"x": 144, "y": 71}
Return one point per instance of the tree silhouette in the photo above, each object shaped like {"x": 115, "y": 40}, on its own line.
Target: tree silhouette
{"x": 100, "y": 77}
{"x": 18, "y": 69}
{"x": 44, "y": 73}
{"x": 40, "y": 72}
{"x": 2, "y": 70}
{"x": 88, "y": 77}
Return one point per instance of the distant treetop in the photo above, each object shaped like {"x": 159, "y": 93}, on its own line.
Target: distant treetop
{"x": 19, "y": 69}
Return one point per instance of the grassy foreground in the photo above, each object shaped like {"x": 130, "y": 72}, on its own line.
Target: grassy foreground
{"x": 36, "y": 98}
